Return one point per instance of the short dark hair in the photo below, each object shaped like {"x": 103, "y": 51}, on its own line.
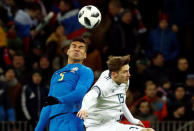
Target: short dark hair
{"x": 79, "y": 39}
{"x": 115, "y": 63}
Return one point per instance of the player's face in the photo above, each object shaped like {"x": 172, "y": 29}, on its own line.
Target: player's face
{"x": 123, "y": 75}
{"x": 77, "y": 51}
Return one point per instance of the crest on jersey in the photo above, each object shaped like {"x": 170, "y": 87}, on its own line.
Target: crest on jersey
{"x": 74, "y": 69}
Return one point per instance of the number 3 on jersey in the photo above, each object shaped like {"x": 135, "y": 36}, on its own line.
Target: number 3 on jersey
{"x": 121, "y": 98}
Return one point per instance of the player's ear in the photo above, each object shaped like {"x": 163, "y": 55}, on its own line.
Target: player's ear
{"x": 113, "y": 74}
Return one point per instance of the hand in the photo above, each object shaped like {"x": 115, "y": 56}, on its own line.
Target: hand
{"x": 50, "y": 100}
{"x": 82, "y": 114}
{"x": 140, "y": 124}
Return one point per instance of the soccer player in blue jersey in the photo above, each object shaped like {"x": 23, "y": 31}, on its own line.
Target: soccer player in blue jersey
{"x": 68, "y": 87}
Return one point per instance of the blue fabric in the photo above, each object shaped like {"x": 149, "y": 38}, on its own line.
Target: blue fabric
{"x": 2, "y": 114}
{"x": 66, "y": 122}
{"x": 69, "y": 85}
{"x": 70, "y": 22}
{"x": 44, "y": 119}
{"x": 23, "y": 23}
{"x": 165, "y": 42}
{"x": 71, "y": 89}
{"x": 7, "y": 115}
{"x": 6, "y": 110}
{"x": 22, "y": 30}
{"x": 179, "y": 12}
{"x": 11, "y": 114}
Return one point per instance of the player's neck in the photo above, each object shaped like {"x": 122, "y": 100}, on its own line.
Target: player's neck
{"x": 118, "y": 83}
{"x": 70, "y": 61}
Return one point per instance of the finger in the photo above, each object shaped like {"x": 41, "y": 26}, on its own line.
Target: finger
{"x": 78, "y": 114}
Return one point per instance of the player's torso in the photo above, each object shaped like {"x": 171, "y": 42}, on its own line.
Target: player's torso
{"x": 112, "y": 98}
{"x": 65, "y": 79}
{"x": 109, "y": 107}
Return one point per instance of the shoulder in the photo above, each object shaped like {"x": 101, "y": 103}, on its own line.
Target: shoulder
{"x": 84, "y": 68}
{"x": 104, "y": 80}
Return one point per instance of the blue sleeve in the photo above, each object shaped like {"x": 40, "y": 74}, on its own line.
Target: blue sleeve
{"x": 11, "y": 114}
{"x": 45, "y": 113}
{"x": 44, "y": 119}
{"x": 84, "y": 83}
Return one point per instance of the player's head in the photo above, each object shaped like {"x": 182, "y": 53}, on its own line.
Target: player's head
{"x": 119, "y": 68}
{"x": 77, "y": 51}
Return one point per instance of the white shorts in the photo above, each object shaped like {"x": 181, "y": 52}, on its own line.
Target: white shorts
{"x": 114, "y": 126}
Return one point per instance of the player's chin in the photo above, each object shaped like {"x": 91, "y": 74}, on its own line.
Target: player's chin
{"x": 126, "y": 81}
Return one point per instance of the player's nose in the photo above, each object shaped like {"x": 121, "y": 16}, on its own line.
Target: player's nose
{"x": 128, "y": 74}
{"x": 77, "y": 49}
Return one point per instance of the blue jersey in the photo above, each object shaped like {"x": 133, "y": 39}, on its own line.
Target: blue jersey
{"x": 69, "y": 84}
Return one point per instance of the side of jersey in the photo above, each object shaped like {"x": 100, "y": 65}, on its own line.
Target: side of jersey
{"x": 110, "y": 99}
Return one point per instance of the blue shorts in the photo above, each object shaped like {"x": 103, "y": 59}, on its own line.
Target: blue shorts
{"x": 66, "y": 122}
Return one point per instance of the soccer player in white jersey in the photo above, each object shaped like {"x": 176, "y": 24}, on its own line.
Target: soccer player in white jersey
{"x": 104, "y": 104}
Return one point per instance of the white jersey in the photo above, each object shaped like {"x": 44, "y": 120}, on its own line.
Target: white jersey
{"x": 108, "y": 106}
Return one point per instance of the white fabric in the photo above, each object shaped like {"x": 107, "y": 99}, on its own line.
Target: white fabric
{"x": 128, "y": 115}
{"x": 90, "y": 99}
{"x": 114, "y": 126}
{"x": 23, "y": 18}
{"x": 106, "y": 105}
{"x": 23, "y": 104}
{"x": 67, "y": 15}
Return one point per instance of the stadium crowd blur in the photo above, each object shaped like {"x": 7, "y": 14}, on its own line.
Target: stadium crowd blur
{"x": 156, "y": 33}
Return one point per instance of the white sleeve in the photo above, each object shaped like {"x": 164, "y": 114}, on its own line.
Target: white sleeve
{"x": 90, "y": 99}
{"x": 128, "y": 115}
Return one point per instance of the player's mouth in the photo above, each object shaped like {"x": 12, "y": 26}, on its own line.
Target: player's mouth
{"x": 76, "y": 54}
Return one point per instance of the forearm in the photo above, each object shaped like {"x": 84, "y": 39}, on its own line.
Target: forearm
{"x": 79, "y": 92}
{"x": 85, "y": 81}
{"x": 73, "y": 97}
{"x": 129, "y": 116}
{"x": 44, "y": 119}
